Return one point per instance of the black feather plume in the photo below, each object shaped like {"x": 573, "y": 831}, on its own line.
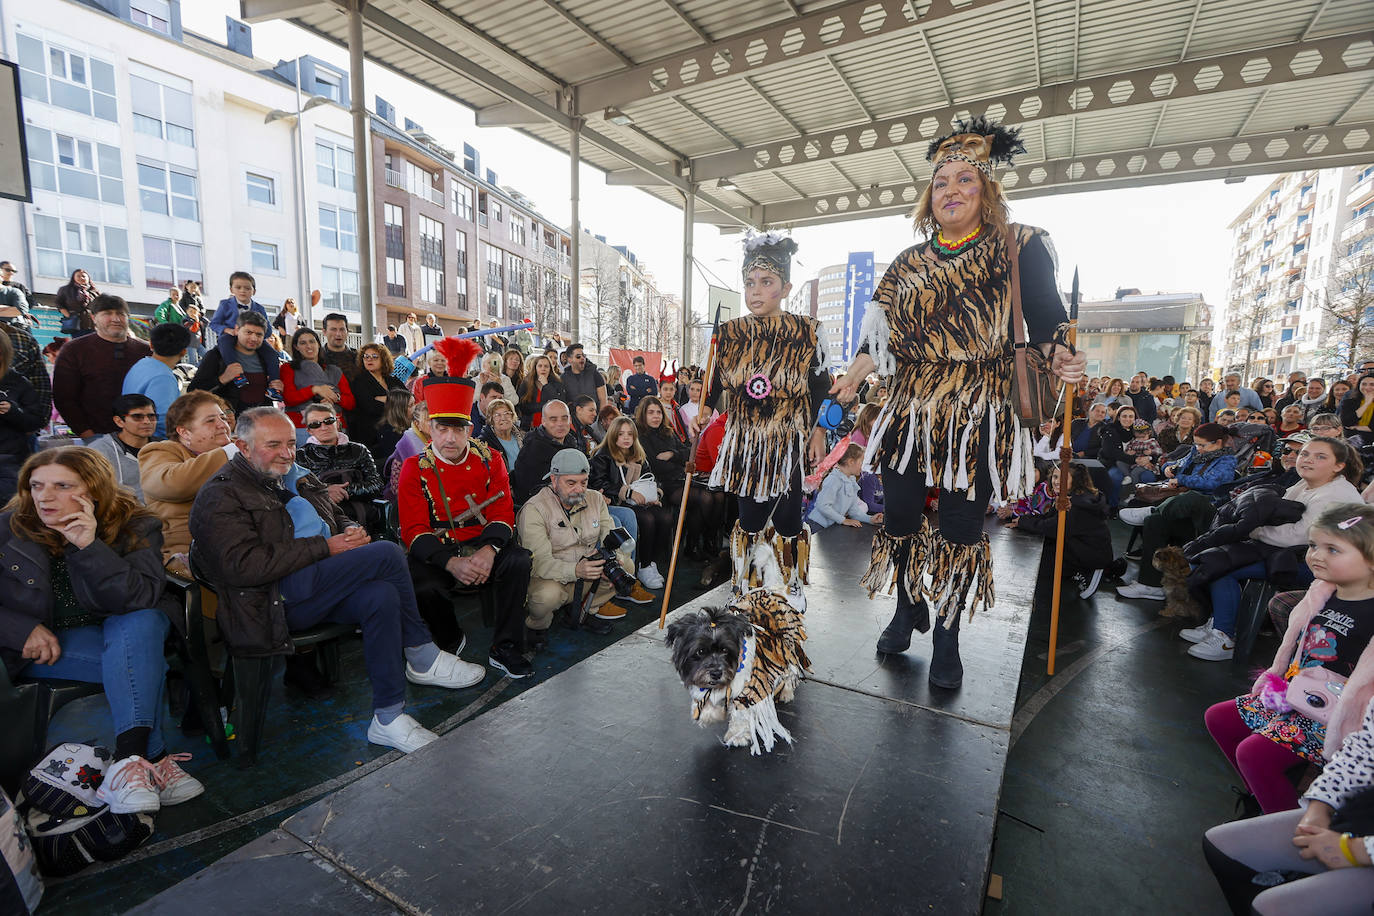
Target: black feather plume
{"x": 1006, "y": 141}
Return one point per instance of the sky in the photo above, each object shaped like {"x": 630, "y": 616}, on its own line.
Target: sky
{"x": 1162, "y": 238}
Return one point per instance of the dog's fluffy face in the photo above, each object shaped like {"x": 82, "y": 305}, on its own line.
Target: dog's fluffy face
{"x": 1171, "y": 562}
{"x": 706, "y": 646}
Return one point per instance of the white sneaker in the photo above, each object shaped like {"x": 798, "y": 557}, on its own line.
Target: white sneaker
{"x": 404, "y": 734}
{"x": 448, "y": 670}
{"x": 1090, "y": 586}
{"x": 175, "y": 785}
{"x": 1197, "y": 634}
{"x": 1135, "y": 517}
{"x": 1136, "y": 590}
{"x": 128, "y": 787}
{"x": 1217, "y": 647}
{"x": 650, "y": 577}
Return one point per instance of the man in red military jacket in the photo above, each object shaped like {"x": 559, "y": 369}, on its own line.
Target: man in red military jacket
{"x": 457, "y": 524}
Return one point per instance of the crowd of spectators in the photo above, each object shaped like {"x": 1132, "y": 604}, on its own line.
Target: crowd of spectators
{"x": 302, "y": 481}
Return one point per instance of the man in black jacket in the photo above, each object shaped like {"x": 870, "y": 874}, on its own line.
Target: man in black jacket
{"x": 347, "y": 467}
{"x": 242, "y": 384}
{"x": 552, "y": 435}
{"x": 279, "y": 566}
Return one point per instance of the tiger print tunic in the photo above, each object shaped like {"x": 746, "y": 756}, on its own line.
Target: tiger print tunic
{"x": 774, "y": 369}
{"x": 941, "y": 327}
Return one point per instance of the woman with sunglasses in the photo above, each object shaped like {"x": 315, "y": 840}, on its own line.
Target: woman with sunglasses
{"x": 370, "y": 383}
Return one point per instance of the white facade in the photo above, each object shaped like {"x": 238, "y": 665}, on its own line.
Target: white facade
{"x": 173, "y": 172}
{"x": 830, "y": 307}
{"x": 1285, "y": 245}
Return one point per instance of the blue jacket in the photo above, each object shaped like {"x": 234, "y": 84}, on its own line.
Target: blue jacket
{"x": 227, "y": 315}
{"x": 638, "y": 385}
{"x": 1208, "y": 473}
{"x": 838, "y": 500}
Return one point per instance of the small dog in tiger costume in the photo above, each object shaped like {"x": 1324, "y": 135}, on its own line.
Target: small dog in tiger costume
{"x": 736, "y": 661}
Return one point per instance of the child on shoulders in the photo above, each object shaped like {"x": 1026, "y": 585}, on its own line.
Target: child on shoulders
{"x": 242, "y": 286}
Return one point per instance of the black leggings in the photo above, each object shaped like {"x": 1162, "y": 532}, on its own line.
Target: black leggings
{"x": 784, "y": 510}
{"x": 655, "y": 533}
{"x": 959, "y": 519}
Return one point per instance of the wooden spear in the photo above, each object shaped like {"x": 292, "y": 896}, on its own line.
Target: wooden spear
{"x": 706, "y": 380}
{"x": 1061, "y": 500}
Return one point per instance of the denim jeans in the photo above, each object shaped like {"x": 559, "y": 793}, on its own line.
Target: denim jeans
{"x": 123, "y": 653}
{"x": 369, "y": 586}
{"x": 624, "y": 517}
{"x": 1226, "y": 594}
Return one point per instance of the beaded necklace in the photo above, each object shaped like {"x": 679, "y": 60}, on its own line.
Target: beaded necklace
{"x": 945, "y": 247}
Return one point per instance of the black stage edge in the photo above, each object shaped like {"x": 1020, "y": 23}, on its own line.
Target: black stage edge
{"x": 595, "y": 792}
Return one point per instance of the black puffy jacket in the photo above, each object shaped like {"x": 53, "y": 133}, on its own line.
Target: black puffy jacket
{"x": 1087, "y": 540}
{"x": 1238, "y": 517}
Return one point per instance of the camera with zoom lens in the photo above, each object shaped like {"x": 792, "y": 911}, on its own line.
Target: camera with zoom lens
{"x": 622, "y": 581}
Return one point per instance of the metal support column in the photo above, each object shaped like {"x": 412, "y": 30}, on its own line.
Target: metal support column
{"x": 575, "y": 232}
{"x": 689, "y": 207}
{"x": 362, "y": 187}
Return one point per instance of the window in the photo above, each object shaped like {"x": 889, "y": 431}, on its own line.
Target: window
{"x": 161, "y": 187}
{"x": 496, "y": 211}
{"x": 462, "y": 201}
{"x": 431, "y": 260}
{"x": 154, "y": 14}
{"x": 494, "y": 292}
{"x": 67, "y": 79}
{"x": 167, "y": 262}
{"x": 339, "y": 229}
{"x": 265, "y": 257}
{"x": 261, "y": 189}
{"x": 462, "y": 246}
{"x": 334, "y": 165}
{"x": 329, "y": 84}
{"x": 70, "y": 165}
{"x": 1286, "y": 335}
{"x": 517, "y": 231}
{"x": 65, "y": 245}
{"x": 393, "y": 221}
{"x": 340, "y": 290}
{"x": 162, "y": 111}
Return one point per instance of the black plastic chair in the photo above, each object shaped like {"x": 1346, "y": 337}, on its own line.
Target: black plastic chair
{"x": 26, "y": 708}
{"x": 1254, "y": 599}
{"x": 250, "y": 679}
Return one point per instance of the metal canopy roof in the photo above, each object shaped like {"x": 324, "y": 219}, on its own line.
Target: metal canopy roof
{"x": 786, "y": 112}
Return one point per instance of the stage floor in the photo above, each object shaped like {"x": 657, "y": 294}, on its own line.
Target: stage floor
{"x": 594, "y": 791}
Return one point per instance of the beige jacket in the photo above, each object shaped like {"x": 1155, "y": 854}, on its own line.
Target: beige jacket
{"x": 171, "y": 477}
{"x": 556, "y": 540}
{"x": 414, "y": 338}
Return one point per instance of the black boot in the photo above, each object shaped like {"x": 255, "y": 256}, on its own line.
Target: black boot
{"x": 1235, "y": 878}
{"x": 910, "y": 615}
{"x": 946, "y": 670}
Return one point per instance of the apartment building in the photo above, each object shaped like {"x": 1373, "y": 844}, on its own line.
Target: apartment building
{"x": 157, "y": 156}
{"x": 621, "y": 304}
{"x": 452, "y": 242}
{"x": 1289, "y": 245}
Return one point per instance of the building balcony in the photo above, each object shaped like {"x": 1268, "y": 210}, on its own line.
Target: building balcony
{"x": 1357, "y": 227}
{"x": 1361, "y": 193}
{"x": 1290, "y": 321}
{"x": 1287, "y": 349}
{"x": 1307, "y": 201}
{"x": 395, "y": 179}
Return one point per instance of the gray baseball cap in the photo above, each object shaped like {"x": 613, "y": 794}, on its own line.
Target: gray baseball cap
{"x": 569, "y": 461}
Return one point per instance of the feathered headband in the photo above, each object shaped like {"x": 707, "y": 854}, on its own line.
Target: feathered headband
{"x": 771, "y": 251}
{"x": 978, "y": 141}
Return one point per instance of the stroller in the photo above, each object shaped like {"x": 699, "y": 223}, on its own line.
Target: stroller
{"x": 1253, "y": 444}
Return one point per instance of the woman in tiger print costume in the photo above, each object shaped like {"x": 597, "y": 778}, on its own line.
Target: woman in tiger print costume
{"x": 940, "y": 326}
{"x": 770, "y": 362}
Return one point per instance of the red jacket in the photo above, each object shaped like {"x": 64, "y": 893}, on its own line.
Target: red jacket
{"x": 708, "y": 446}
{"x": 297, "y": 398}
{"x": 432, "y": 494}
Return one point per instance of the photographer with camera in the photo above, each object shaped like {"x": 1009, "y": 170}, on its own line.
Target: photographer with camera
{"x": 568, "y": 530}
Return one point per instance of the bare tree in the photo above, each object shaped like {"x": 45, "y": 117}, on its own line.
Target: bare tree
{"x": 601, "y": 286}
{"x": 1245, "y": 322}
{"x": 543, "y": 297}
{"x": 1347, "y": 303}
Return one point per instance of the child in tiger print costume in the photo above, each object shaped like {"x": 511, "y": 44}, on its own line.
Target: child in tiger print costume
{"x": 939, "y": 326}
{"x": 770, "y": 362}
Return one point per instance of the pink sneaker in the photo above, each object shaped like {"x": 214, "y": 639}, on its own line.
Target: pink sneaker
{"x": 175, "y": 785}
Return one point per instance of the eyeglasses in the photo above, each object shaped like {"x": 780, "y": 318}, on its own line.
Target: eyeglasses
{"x": 140, "y": 416}
{"x": 372, "y": 356}
{"x": 316, "y": 424}
{"x": 1292, "y": 451}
